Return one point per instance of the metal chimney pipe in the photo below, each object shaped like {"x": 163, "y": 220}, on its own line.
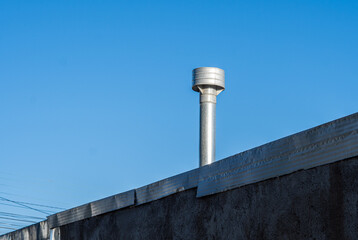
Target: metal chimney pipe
{"x": 209, "y": 81}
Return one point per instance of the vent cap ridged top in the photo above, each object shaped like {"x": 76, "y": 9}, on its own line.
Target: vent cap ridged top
{"x": 211, "y": 76}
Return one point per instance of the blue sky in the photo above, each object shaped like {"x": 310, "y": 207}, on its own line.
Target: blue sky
{"x": 96, "y": 99}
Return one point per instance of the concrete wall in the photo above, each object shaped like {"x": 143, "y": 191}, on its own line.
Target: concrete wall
{"x": 319, "y": 203}
{"x": 38, "y": 231}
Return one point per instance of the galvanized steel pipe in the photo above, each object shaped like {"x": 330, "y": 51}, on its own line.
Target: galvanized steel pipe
{"x": 209, "y": 81}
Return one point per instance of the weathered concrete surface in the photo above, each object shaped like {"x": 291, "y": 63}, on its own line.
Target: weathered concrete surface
{"x": 38, "y": 231}
{"x": 319, "y": 203}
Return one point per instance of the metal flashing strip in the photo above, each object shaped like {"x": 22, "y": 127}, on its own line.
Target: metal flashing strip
{"x": 327, "y": 143}
{"x": 167, "y": 187}
{"x": 92, "y": 209}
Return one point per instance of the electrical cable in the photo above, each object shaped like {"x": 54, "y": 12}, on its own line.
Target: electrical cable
{"x": 24, "y": 205}
{"x": 17, "y": 206}
{"x": 19, "y": 215}
{"x": 20, "y": 220}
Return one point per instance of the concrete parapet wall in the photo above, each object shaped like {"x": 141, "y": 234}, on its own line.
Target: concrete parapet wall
{"x": 319, "y": 203}
{"x": 324, "y": 144}
{"x": 303, "y": 186}
{"x": 38, "y": 231}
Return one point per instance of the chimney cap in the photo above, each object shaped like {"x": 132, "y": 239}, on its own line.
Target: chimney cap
{"x": 211, "y": 76}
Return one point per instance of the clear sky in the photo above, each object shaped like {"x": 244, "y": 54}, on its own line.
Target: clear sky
{"x": 96, "y": 99}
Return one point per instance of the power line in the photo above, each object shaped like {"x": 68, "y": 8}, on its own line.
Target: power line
{"x": 17, "y": 206}
{"x": 33, "y": 204}
{"x": 19, "y": 215}
{"x": 9, "y": 217}
{"x": 15, "y": 219}
{"x": 40, "y": 205}
{"x": 24, "y": 205}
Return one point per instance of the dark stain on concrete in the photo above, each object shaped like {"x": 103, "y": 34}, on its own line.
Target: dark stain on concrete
{"x": 335, "y": 204}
